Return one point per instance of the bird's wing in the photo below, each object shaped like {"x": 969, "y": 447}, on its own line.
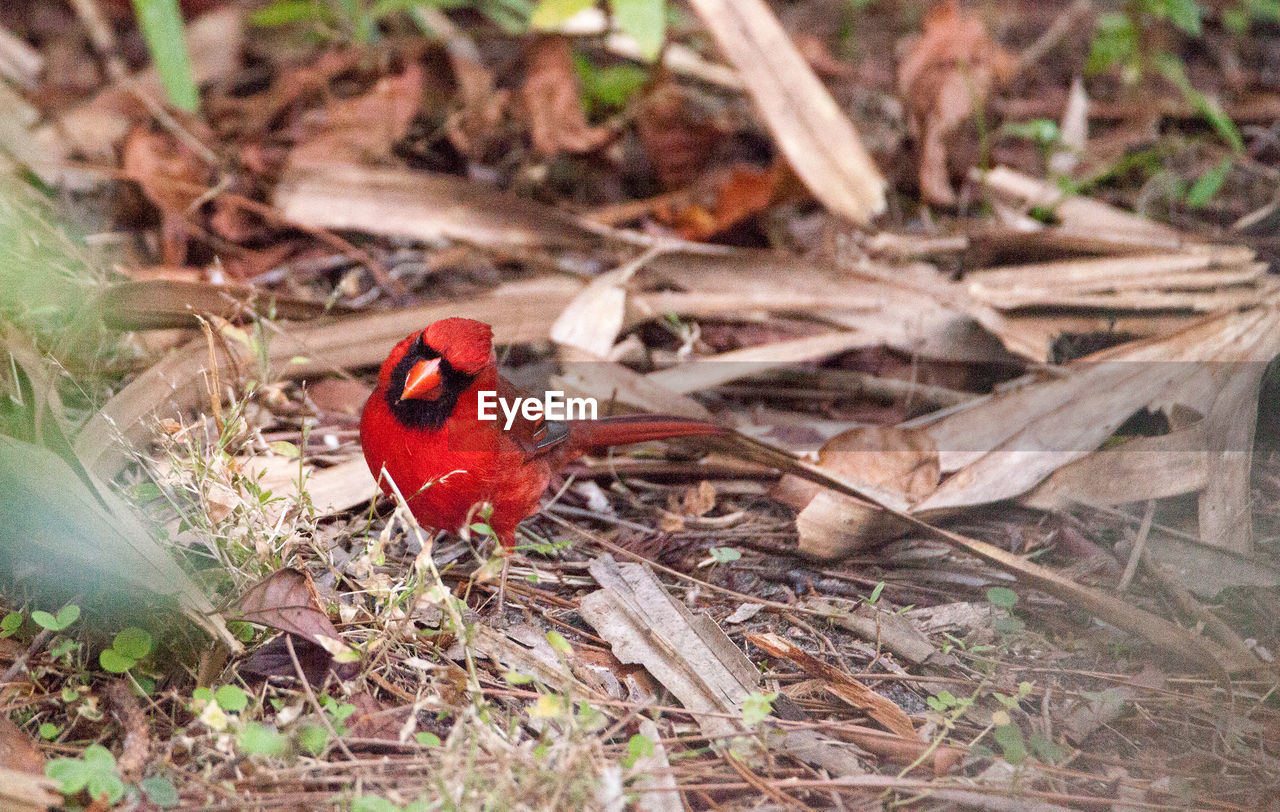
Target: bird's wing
{"x": 534, "y": 437}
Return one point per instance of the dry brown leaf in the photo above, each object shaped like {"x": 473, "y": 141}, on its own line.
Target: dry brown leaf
{"x": 1003, "y": 446}
{"x": 403, "y": 202}
{"x": 26, "y": 792}
{"x": 363, "y": 129}
{"x": 741, "y": 192}
{"x": 287, "y": 600}
{"x": 943, "y": 80}
{"x": 709, "y": 371}
{"x": 553, "y": 101}
{"x": 331, "y": 490}
{"x": 679, "y": 135}
{"x": 812, "y": 131}
{"x": 1074, "y": 127}
{"x": 1132, "y": 471}
{"x": 166, "y": 169}
{"x": 901, "y": 463}
{"x": 17, "y": 751}
{"x": 375, "y": 719}
{"x": 592, "y": 321}
{"x": 1094, "y": 220}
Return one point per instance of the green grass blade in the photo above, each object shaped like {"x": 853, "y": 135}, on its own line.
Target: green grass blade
{"x": 161, "y": 24}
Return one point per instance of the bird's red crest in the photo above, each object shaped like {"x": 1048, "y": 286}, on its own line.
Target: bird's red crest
{"x": 466, "y": 344}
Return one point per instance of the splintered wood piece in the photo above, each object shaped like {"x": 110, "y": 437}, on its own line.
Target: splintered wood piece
{"x": 692, "y": 658}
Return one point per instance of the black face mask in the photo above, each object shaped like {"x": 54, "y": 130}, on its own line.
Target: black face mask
{"x": 425, "y": 414}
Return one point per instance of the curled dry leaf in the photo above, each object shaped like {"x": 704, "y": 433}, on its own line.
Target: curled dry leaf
{"x": 902, "y": 463}
{"x": 738, "y": 193}
{"x": 363, "y": 129}
{"x": 698, "y": 500}
{"x": 943, "y": 79}
{"x": 553, "y": 103}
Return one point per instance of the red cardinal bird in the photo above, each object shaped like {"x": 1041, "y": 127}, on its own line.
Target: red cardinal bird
{"x": 421, "y": 425}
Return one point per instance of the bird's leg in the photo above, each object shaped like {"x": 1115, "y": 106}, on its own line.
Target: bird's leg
{"x": 502, "y": 581}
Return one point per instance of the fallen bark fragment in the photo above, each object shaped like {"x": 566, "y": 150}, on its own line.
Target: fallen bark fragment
{"x": 692, "y": 658}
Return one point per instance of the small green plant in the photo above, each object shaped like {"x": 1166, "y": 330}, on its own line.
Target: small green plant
{"x": 10, "y": 624}
{"x": 1238, "y": 18}
{"x": 1009, "y": 736}
{"x": 724, "y": 555}
{"x": 160, "y": 791}
{"x": 1004, "y": 598}
{"x": 874, "y": 597}
{"x": 257, "y": 739}
{"x": 608, "y": 89}
{"x": 1208, "y": 184}
{"x": 55, "y": 623}
{"x": 1125, "y": 39}
{"x": 338, "y": 713}
{"x": 313, "y": 739}
{"x": 1042, "y": 132}
{"x": 947, "y": 702}
{"x": 638, "y": 746}
{"x": 757, "y": 707}
{"x": 231, "y": 698}
{"x": 426, "y": 738}
{"x": 128, "y": 647}
{"x": 94, "y": 772}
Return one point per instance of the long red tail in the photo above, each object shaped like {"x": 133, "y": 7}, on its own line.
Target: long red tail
{"x": 637, "y": 428}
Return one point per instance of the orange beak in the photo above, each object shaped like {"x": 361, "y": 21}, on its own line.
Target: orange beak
{"x": 423, "y": 381}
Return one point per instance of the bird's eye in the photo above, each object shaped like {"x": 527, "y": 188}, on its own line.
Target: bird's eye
{"x": 418, "y": 345}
